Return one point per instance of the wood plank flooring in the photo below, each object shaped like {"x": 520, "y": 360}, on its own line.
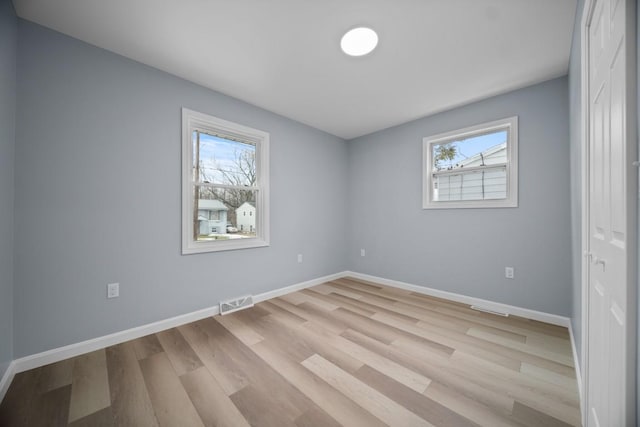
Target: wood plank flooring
{"x": 347, "y": 352}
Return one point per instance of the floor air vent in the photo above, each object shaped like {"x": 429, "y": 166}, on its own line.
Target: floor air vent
{"x": 235, "y": 304}
{"x": 486, "y": 310}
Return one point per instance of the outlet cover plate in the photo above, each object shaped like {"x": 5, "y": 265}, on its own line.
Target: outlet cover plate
{"x": 113, "y": 290}
{"x": 508, "y": 272}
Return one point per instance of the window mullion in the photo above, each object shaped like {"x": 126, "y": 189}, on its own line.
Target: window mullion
{"x": 226, "y": 186}
{"x": 457, "y": 171}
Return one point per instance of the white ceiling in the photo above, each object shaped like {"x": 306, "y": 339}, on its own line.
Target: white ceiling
{"x": 284, "y": 55}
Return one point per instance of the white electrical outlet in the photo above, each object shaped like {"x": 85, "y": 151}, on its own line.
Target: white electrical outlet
{"x": 113, "y": 290}
{"x": 362, "y": 252}
{"x": 299, "y": 257}
{"x": 508, "y": 272}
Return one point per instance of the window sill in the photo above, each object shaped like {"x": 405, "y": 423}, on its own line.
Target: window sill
{"x": 471, "y": 204}
{"x": 225, "y": 245}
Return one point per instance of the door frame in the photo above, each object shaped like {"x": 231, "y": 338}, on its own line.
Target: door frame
{"x": 632, "y": 200}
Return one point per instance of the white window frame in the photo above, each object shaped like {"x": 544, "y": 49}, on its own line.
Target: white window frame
{"x": 192, "y": 121}
{"x": 511, "y": 201}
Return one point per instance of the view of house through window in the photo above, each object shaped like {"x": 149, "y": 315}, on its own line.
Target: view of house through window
{"x": 472, "y": 167}
{"x": 224, "y": 173}
{"x": 225, "y": 185}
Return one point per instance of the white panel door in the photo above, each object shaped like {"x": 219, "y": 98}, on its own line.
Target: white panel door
{"x": 612, "y": 183}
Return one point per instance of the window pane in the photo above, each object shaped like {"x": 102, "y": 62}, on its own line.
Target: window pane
{"x": 218, "y": 160}
{"x": 471, "y": 169}
{"x": 223, "y": 214}
{"x": 482, "y": 150}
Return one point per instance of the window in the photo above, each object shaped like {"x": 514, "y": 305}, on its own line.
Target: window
{"x": 224, "y": 166}
{"x": 475, "y": 167}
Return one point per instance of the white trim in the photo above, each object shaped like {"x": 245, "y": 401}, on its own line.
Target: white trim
{"x": 193, "y": 120}
{"x": 587, "y": 11}
{"x": 57, "y": 354}
{"x": 576, "y": 363}
{"x": 511, "y": 201}
{"x": 540, "y": 316}
{"x": 72, "y": 350}
{"x": 298, "y": 286}
{"x": 7, "y": 378}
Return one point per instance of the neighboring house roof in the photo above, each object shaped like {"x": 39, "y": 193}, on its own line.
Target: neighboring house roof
{"x": 249, "y": 204}
{"x": 486, "y": 154}
{"x": 211, "y": 205}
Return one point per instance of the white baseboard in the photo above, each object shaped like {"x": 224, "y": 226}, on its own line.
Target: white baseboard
{"x": 298, "y": 286}
{"x": 6, "y": 379}
{"x": 72, "y": 350}
{"x": 494, "y": 306}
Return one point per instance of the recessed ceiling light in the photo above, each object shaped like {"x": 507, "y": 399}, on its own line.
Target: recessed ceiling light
{"x": 359, "y": 41}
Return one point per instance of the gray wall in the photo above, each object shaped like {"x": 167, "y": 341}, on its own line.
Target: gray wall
{"x": 98, "y": 150}
{"x": 98, "y": 197}
{"x": 8, "y": 33}
{"x": 466, "y": 250}
{"x": 575, "y": 136}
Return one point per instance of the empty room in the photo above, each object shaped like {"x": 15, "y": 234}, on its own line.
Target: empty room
{"x": 331, "y": 213}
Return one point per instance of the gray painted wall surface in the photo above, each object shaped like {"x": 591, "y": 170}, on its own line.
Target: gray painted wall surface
{"x": 98, "y": 148}
{"x": 8, "y": 40}
{"x": 466, "y": 250}
{"x": 575, "y": 132}
{"x": 98, "y": 197}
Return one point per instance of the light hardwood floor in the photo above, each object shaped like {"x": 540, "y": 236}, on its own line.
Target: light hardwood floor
{"x": 346, "y": 353}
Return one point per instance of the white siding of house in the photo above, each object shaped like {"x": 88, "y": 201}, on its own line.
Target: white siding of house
{"x": 212, "y": 215}
{"x": 486, "y": 184}
{"x": 246, "y": 218}
{"x": 489, "y": 183}
{"x": 212, "y": 226}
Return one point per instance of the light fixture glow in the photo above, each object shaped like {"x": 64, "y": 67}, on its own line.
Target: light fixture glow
{"x": 359, "y": 41}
